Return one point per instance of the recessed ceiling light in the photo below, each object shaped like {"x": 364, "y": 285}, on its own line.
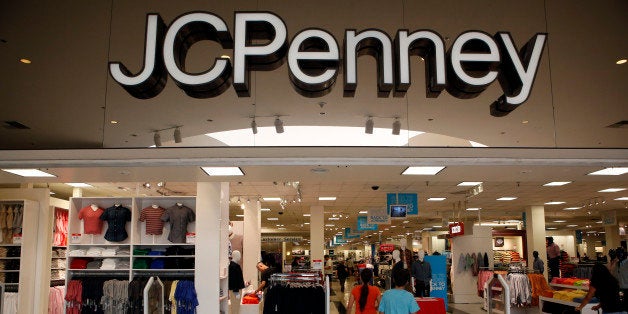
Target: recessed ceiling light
{"x": 507, "y": 198}
{"x": 281, "y": 228}
{"x": 226, "y": 56}
{"x": 307, "y": 215}
{"x": 621, "y": 61}
{"x": 436, "y": 226}
{"x": 79, "y": 185}
{"x": 624, "y": 198}
{"x": 560, "y": 221}
{"x": 333, "y": 218}
{"x": 551, "y": 228}
{"x": 113, "y": 122}
{"x": 599, "y": 222}
{"x": 572, "y": 208}
{"x": 29, "y": 172}
{"x": 327, "y": 198}
{"x": 525, "y": 122}
{"x": 272, "y": 218}
{"x": 52, "y": 193}
{"x": 474, "y": 208}
{"x": 555, "y": 203}
{"x": 610, "y": 171}
{"x": 239, "y": 215}
{"x": 271, "y": 199}
{"x": 469, "y": 183}
{"x": 25, "y": 61}
{"x": 223, "y": 171}
{"x": 406, "y": 221}
{"x": 557, "y": 183}
{"x": 424, "y": 171}
{"x": 571, "y": 226}
{"x": 265, "y": 209}
{"x": 330, "y": 225}
{"x": 306, "y": 223}
{"x": 363, "y": 212}
{"x": 611, "y": 190}
{"x": 436, "y": 199}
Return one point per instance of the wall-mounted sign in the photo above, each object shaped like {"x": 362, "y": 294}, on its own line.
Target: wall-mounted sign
{"x": 349, "y": 234}
{"x": 609, "y": 218}
{"x": 396, "y": 201}
{"x": 465, "y": 69}
{"x": 363, "y": 224}
{"x": 386, "y": 247}
{"x": 282, "y": 239}
{"x": 456, "y": 229}
{"x": 378, "y": 216}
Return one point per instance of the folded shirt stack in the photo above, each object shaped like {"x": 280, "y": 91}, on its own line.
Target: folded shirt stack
{"x": 77, "y": 252}
{"x": 124, "y": 251}
{"x": 94, "y": 251}
{"x": 109, "y": 263}
{"x": 79, "y": 263}
{"x": 123, "y": 264}
{"x": 95, "y": 264}
{"x": 111, "y": 251}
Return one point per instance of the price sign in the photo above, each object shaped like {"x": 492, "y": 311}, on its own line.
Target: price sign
{"x": 456, "y": 229}
{"x": 75, "y": 238}
{"x": 317, "y": 264}
{"x": 17, "y": 238}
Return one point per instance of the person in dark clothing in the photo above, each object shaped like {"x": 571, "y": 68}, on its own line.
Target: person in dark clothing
{"x": 606, "y": 288}
{"x": 266, "y": 272}
{"x": 295, "y": 263}
{"x": 342, "y": 272}
{"x": 422, "y": 273}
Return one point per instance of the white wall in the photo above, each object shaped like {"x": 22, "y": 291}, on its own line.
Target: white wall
{"x": 464, "y": 284}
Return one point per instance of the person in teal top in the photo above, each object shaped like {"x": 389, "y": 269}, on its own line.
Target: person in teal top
{"x": 398, "y": 300}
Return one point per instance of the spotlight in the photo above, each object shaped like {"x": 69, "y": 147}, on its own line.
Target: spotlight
{"x": 254, "y": 126}
{"x": 396, "y": 127}
{"x": 157, "y": 139}
{"x": 368, "y": 128}
{"x": 278, "y": 125}
{"x": 177, "y": 135}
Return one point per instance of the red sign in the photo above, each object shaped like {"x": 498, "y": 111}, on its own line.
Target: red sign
{"x": 386, "y": 247}
{"x": 456, "y": 229}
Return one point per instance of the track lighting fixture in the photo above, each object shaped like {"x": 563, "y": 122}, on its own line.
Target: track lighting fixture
{"x": 177, "y": 135}
{"x": 254, "y": 126}
{"x": 368, "y": 128}
{"x": 278, "y": 125}
{"x": 396, "y": 127}
{"x": 157, "y": 139}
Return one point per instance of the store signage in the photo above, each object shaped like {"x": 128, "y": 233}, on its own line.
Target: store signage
{"x": 317, "y": 264}
{"x": 456, "y": 229}
{"x": 410, "y": 200}
{"x": 378, "y": 216}
{"x": 282, "y": 239}
{"x": 609, "y": 218}
{"x": 473, "y": 62}
{"x": 438, "y": 285}
{"x": 338, "y": 239}
{"x": 349, "y": 234}
{"x": 363, "y": 224}
{"x": 386, "y": 247}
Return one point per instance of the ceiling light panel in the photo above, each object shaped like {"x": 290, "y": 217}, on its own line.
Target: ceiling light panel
{"x": 327, "y": 198}
{"x": 557, "y": 183}
{"x": 473, "y": 208}
{"x": 223, "y": 171}
{"x": 625, "y": 198}
{"x": 265, "y": 209}
{"x": 436, "y": 199}
{"x": 424, "y": 171}
{"x": 79, "y": 185}
{"x": 271, "y": 199}
{"x": 572, "y": 208}
{"x": 29, "y": 172}
{"x": 272, "y": 218}
{"x": 610, "y": 171}
{"x": 555, "y": 203}
{"x": 507, "y": 198}
{"x": 612, "y": 190}
{"x": 469, "y": 183}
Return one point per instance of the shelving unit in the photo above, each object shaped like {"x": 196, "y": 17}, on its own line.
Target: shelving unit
{"x": 585, "y": 288}
{"x": 136, "y": 241}
{"x": 586, "y": 310}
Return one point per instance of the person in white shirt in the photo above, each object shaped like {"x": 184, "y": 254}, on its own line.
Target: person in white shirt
{"x": 329, "y": 269}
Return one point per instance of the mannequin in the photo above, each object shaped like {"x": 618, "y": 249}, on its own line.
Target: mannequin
{"x": 422, "y": 273}
{"x": 94, "y": 207}
{"x": 236, "y": 281}
{"x": 179, "y": 204}
{"x": 155, "y": 206}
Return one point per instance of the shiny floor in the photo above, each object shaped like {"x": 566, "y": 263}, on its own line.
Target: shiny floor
{"x": 339, "y": 301}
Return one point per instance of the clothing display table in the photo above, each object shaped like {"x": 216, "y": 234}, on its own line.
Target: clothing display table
{"x": 431, "y": 305}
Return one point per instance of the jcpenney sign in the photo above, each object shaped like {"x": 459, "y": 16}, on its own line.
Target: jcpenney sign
{"x": 466, "y": 69}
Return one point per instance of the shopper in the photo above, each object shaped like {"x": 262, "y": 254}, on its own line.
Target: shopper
{"x": 553, "y": 258}
{"x": 329, "y": 269}
{"x": 398, "y": 300}
{"x": 343, "y": 273}
{"x": 295, "y": 263}
{"x": 367, "y": 296}
{"x": 422, "y": 273}
{"x": 538, "y": 264}
{"x": 266, "y": 271}
{"x": 606, "y": 288}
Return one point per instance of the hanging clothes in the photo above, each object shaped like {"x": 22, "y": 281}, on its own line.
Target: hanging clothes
{"x": 520, "y": 289}
{"x": 186, "y": 298}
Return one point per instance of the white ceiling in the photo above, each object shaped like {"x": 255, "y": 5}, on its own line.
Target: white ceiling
{"x": 67, "y": 99}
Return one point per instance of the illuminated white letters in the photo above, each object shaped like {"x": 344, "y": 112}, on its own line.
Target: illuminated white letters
{"x": 474, "y": 61}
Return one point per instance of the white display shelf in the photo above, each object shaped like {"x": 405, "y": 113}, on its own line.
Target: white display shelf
{"x": 96, "y": 244}
{"x": 585, "y": 288}
{"x": 186, "y": 270}
{"x": 99, "y": 270}
{"x": 2, "y": 258}
{"x": 163, "y": 256}
{"x": 586, "y": 310}
{"x": 9, "y": 271}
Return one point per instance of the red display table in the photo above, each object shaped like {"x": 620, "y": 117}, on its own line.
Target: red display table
{"x": 431, "y": 305}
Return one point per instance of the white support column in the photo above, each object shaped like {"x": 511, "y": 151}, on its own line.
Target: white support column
{"x": 317, "y": 232}
{"x": 77, "y": 192}
{"x": 284, "y": 257}
{"x": 426, "y": 241}
{"x": 212, "y": 236}
{"x": 535, "y": 234}
{"x": 251, "y": 243}
{"x": 612, "y": 237}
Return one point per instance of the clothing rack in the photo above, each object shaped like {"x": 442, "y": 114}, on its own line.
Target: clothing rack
{"x": 112, "y": 275}
{"x": 161, "y": 274}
